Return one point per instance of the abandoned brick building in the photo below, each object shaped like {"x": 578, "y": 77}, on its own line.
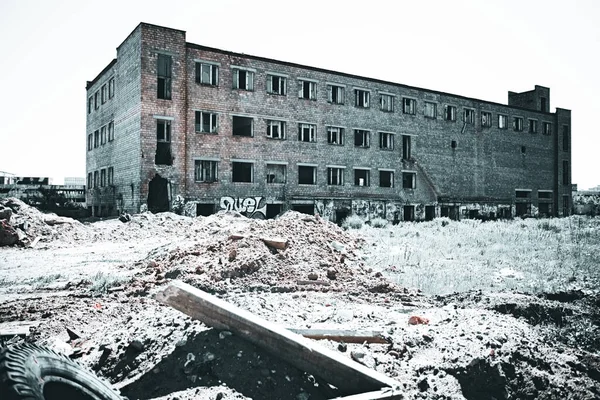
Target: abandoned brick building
{"x": 172, "y": 123}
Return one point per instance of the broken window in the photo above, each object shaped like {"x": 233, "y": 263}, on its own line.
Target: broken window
{"x": 111, "y": 131}
{"x": 486, "y": 119}
{"x": 387, "y": 102}
{"x": 96, "y": 179}
{"x": 386, "y": 140}
{"x": 96, "y": 138}
{"x": 96, "y": 100}
{"x": 469, "y": 116}
{"x": 533, "y": 126}
{"x": 104, "y": 93}
{"x": 163, "y": 75}
{"x": 90, "y": 142}
{"x": 242, "y": 126}
{"x": 547, "y": 128}
{"x": 207, "y": 74}
{"x": 361, "y": 138}
{"x": 361, "y": 98}
{"x": 90, "y": 104}
{"x": 102, "y": 177}
{"x": 430, "y": 110}
{"x": 276, "y": 173}
{"x": 518, "y": 124}
{"x": 163, "y": 142}
{"x": 276, "y": 129}
{"x": 409, "y": 180}
{"x": 277, "y": 85}
{"x": 205, "y": 170}
{"x": 335, "y": 135}
{"x": 111, "y": 175}
{"x": 406, "y": 147}
{"x": 90, "y": 182}
{"x": 242, "y": 171}
{"x": 409, "y": 106}
{"x": 307, "y": 90}
{"x": 409, "y": 213}
{"x": 522, "y": 202}
{"x": 450, "y": 113}
{"x": 206, "y": 122}
{"x": 335, "y": 94}
{"x": 243, "y": 79}
{"x": 565, "y": 173}
{"x": 502, "y": 121}
{"x": 307, "y": 175}
{"x": 335, "y": 176}
{"x": 307, "y": 133}
{"x": 386, "y": 179}
{"x": 111, "y": 88}
{"x": 361, "y": 177}
{"x": 565, "y": 138}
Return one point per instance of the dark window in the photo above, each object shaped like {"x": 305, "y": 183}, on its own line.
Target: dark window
{"x": 430, "y": 110}
{"x": 409, "y": 106}
{"x": 276, "y": 85}
{"x": 276, "y": 129}
{"x": 96, "y": 100}
{"x": 96, "y": 179}
{"x": 406, "y": 147}
{"x": 205, "y": 171}
{"x": 409, "y": 180}
{"x": 361, "y": 98}
{"x": 361, "y": 177}
{"x": 450, "y": 113}
{"x": 502, "y": 121}
{"x": 241, "y": 171}
{"x": 242, "y": 126}
{"x": 533, "y": 126}
{"x": 566, "y": 207}
{"x": 453, "y": 144}
{"x": 335, "y": 135}
{"x": 103, "y": 135}
{"x": 543, "y": 104}
{"x": 96, "y": 138}
{"x": 163, "y": 143}
{"x": 243, "y": 79}
{"x": 361, "y": 138}
{"x": 429, "y": 213}
{"x": 111, "y": 131}
{"x": 518, "y": 124}
{"x": 111, "y": 175}
{"x": 104, "y": 93}
{"x": 386, "y": 141}
{"x": 206, "y": 122}
{"x": 522, "y": 194}
{"x": 90, "y": 104}
{"x": 565, "y": 138}
{"x": 409, "y": 213}
{"x": 565, "y": 173}
{"x": 307, "y": 90}
{"x": 307, "y": 133}
{"x": 544, "y": 195}
{"x": 90, "y": 182}
{"x": 523, "y": 149}
{"x": 307, "y": 175}
{"x": 335, "y": 94}
{"x": 207, "y": 74}
{"x": 102, "y": 177}
{"x": 164, "y": 77}
{"x": 547, "y": 128}
{"x": 486, "y": 119}
{"x": 335, "y": 176}
{"x": 205, "y": 209}
{"x": 469, "y": 116}
{"x": 386, "y": 179}
{"x": 90, "y": 141}
{"x": 111, "y": 88}
{"x": 276, "y": 173}
{"x": 387, "y": 102}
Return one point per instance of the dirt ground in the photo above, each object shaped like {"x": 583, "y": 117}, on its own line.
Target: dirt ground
{"x": 98, "y": 280}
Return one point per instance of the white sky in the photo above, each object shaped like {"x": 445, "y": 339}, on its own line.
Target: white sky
{"x": 479, "y": 49}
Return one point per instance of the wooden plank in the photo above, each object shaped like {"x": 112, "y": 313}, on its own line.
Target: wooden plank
{"x": 333, "y": 367}
{"x": 17, "y": 328}
{"x": 388, "y": 393}
{"x": 340, "y": 335}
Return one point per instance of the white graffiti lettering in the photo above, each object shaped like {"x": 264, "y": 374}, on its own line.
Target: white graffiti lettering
{"x": 244, "y": 205}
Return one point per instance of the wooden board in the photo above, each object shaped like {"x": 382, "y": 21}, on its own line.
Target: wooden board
{"x": 333, "y": 367}
{"x": 340, "y": 335}
{"x": 17, "y": 328}
{"x": 383, "y": 394}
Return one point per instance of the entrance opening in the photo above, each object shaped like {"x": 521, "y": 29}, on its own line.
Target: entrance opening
{"x": 429, "y": 213}
{"x": 158, "y": 195}
{"x": 341, "y": 215}
{"x": 409, "y": 213}
{"x": 522, "y": 209}
{"x": 304, "y": 208}
{"x": 473, "y": 214}
{"x": 205, "y": 209}
{"x": 273, "y": 210}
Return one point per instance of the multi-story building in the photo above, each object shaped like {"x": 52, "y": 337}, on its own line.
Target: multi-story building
{"x": 169, "y": 121}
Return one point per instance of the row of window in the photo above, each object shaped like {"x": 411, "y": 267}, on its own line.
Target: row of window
{"x": 207, "y": 170}
{"x": 105, "y": 93}
{"x": 101, "y": 178}
{"x": 101, "y": 136}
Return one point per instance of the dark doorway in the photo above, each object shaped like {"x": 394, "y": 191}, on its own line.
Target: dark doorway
{"x": 473, "y": 214}
{"x": 304, "y": 208}
{"x": 273, "y": 210}
{"x": 205, "y": 209}
{"x": 409, "y": 213}
{"x": 522, "y": 209}
{"x": 158, "y": 195}
{"x": 429, "y": 213}
{"x": 341, "y": 215}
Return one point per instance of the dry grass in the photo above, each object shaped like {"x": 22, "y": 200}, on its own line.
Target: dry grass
{"x": 532, "y": 255}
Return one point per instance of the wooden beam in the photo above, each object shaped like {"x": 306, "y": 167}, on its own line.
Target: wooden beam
{"x": 339, "y": 335}
{"x": 387, "y": 394}
{"x": 17, "y": 328}
{"x": 333, "y": 367}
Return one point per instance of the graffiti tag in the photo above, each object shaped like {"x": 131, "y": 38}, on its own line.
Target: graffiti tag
{"x": 244, "y": 205}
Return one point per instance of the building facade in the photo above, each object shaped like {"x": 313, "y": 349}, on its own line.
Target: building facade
{"x": 171, "y": 123}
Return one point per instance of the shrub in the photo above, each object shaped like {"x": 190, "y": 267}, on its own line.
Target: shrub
{"x": 379, "y": 222}
{"x": 353, "y": 221}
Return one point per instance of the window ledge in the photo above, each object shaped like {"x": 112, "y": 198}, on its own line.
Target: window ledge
{"x": 206, "y": 133}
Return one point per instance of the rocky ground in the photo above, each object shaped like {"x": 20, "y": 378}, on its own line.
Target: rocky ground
{"x": 88, "y": 291}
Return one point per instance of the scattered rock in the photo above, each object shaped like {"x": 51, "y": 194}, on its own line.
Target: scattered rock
{"x": 313, "y": 276}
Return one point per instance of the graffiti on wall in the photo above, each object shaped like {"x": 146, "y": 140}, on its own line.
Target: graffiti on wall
{"x": 249, "y": 206}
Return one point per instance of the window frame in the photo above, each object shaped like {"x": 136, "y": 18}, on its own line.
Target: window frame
{"x": 111, "y": 87}
{"x": 532, "y": 125}
{"x": 314, "y": 173}
{"x": 199, "y": 122}
{"x": 391, "y": 178}
{"x": 517, "y": 124}
{"x": 362, "y": 98}
{"x": 199, "y": 170}
{"x": 337, "y": 172}
{"x": 269, "y": 165}
{"x": 213, "y": 74}
{"x": 453, "y": 109}
{"x": 366, "y": 138}
{"x": 248, "y": 78}
{"x": 413, "y": 181}
{"x": 367, "y": 177}
{"x": 433, "y": 108}
{"x": 164, "y": 78}
{"x": 282, "y": 129}
{"x": 387, "y": 137}
{"x": 406, "y": 147}
{"x": 282, "y": 84}
{"x": 547, "y": 128}
{"x": 469, "y": 116}
{"x": 111, "y": 131}
{"x": 312, "y": 89}
{"x": 245, "y": 162}
{"x": 386, "y": 105}
{"x": 486, "y": 119}
{"x": 409, "y": 105}
{"x": 340, "y": 134}
{"x": 312, "y": 132}
{"x": 104, "y": 93}
{"x": 233, "y": 117}
{"x": 339, "y": 89}
{"x": 505, "y": 124}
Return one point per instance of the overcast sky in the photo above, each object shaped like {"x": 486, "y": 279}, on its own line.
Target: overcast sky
{"x": 479, "y": 49}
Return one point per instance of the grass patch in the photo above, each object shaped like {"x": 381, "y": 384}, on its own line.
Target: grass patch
{"x": 353, "y": 222}
{"x": 101, "y": 282}
{"x": 379, "y": 222}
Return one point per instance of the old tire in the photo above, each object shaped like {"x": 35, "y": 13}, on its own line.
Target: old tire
{"x": 31, "y": 372}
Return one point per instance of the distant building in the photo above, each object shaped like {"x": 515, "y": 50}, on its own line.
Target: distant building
{"x": 225, "y": 130}
{"x": 75, "y": 181}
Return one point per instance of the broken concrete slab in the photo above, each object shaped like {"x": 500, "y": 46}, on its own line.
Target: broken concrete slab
{"x": 339, "y": 335}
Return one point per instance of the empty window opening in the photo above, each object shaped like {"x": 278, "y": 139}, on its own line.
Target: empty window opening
{"x": 335, "y": 94}
{"x": 565, "y": 138}
{"x": 523, "y": 150}
{"x": 386, "y": 140}
{"x": 207, "y": 74}
{"x": 533, "y": 126}
{"x": 276, "y": 129}
{"x": 409, "y": 213}
{"x": 104, "y": 93}
{"x": 242, "y": 126}
{"x": 543, "y": 104}
{"x": 96, "y": 179}
{"x": 518, "y": 124}
{"x": 276, "y": 173}
{"x": 307, "y": 133}
{"x": 523, "y": 208}
{"x": 273, "y": 210}
{"x": 241, "y": 172}
{"x": 409, "y": 106}
{"x": 90, "y": 183}
{"x": 469, "y": 116}
{"x": 502, "y": 121}
{"x": 304, "y": 208}
{"x": 362, "y": 177}
{"x": 96, "y": 100}
{"x": 406, "y": 147}
{"x": 429, "y": 213}
{"x": 307, "y": 90}
{"x": 565, "y": 173}
{"x": 206, "y": 122}
{"x": 90, "y": 104}
{"x": 307, "y": 175}
{"x": 473, "y": 214}
{"x": 386, "y": 179}
{"x": 163, "y": 143}
{"x": 164, "y": 76}
{"x": 450, "y": 113}
{"x": 361, "y": 138}
{"x": 341, "y": 215}
{"x": 486, "y": 119}
{"x": 547, "y": 128}
{"x": 522, "y": 194}
{"x": 158, "y": 194}
{"x": 387, "y": 102}
{"x": 544, "y": 195}
{"x": 276, "y": 85}
{"x": 103, "y": 135}
{"x": 243, "y": 79}
{"x": 90, "y": 141}
{"x": 111, "y": 175}
{"x": 96, "y": 138}
{"x": 205, "y": 209}
{"x": 102, "y": 177}
{"x": 111, "y": 131}
{"x": 545, "y": 209}
{"x": 430, "y": 110}
{"x": 206, "y": 170}
{"x": 361, "y": 98}
{"x": 453, "y": 144}
{"x": 335, "y": 135}
{"x": 409, "y": 180}
{"x": 335, "y": 176}
{"x": 111, "y": 88}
